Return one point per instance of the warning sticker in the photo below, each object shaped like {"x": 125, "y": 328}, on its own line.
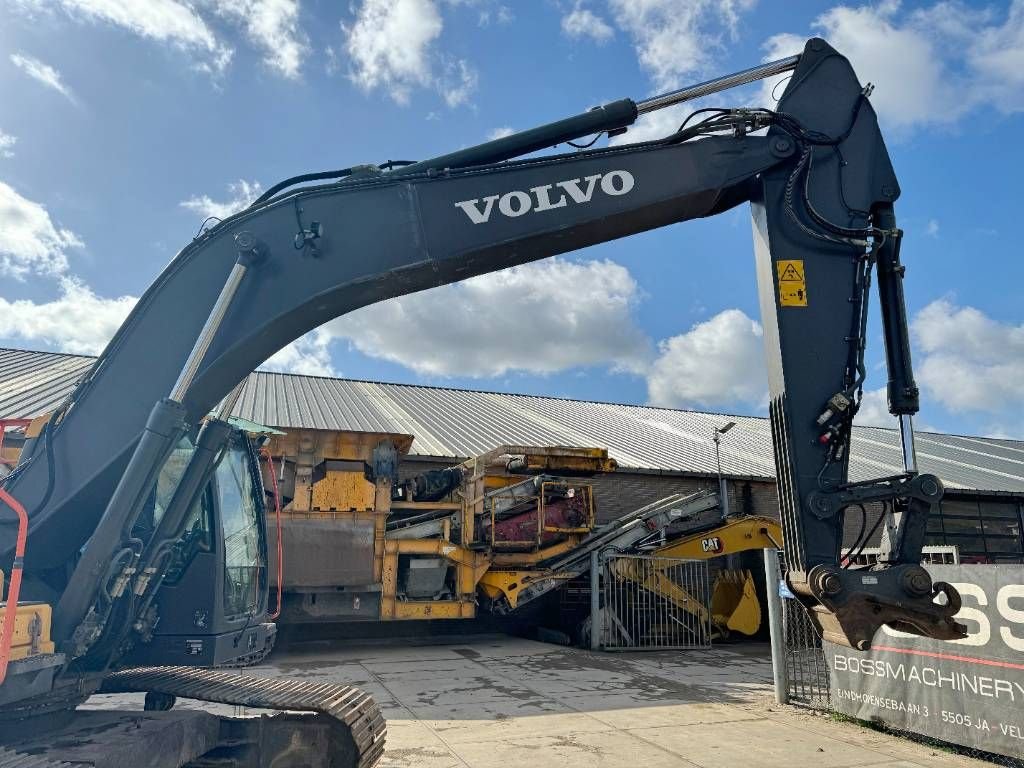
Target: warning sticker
{"x": 792, "y": 285}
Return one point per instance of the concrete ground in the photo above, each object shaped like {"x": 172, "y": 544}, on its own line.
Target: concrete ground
{"x": 499, "y": 702}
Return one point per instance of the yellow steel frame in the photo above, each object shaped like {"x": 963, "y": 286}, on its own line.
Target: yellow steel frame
{"x": 586, "y": 489}
{"x": 31, "y": 629}
{"x": 469, "y": 568}
{"x": 496, "y": 583}
{"x": 519, "y": 559}
{"x": 739, "y": 535}
{"x": 348, "y": 493}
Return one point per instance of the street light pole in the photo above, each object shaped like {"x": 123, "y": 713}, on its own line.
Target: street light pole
{"x": 723, "y": 491}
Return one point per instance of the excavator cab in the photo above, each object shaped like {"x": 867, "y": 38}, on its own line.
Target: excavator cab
{"x": 212, "y": 607}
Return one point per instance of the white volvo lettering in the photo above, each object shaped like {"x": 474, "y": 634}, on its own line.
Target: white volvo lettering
{"x": 543, "y": 195}
{"x": 515, "y": 203}
{"x": 572, "y": 186}
{"x": 547, "y": 197}
{"x": 476, "y": 215}
{"x": 617, "y": 183}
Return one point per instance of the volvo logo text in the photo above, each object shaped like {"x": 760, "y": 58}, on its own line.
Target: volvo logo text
{"x": 547, "y": 197}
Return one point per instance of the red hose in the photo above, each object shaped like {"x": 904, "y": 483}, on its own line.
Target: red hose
{"x": 280, "y": 546}
{"x": 11, "y": 611}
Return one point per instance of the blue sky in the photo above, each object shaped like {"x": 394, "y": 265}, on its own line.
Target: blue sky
{"x": 123, "y": 123}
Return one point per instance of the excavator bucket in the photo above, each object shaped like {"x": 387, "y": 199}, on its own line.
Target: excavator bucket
{"x": 734, "y": 603}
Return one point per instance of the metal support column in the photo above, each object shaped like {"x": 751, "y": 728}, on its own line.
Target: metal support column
{"x": 772, "y": 574}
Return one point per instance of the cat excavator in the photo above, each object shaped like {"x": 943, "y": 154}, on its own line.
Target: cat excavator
{"x": 99, "y": 518}
{"x": 733, "y": 606}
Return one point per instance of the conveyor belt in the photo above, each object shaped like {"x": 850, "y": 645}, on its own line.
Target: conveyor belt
{"x": 620, "y": 534}
{"x": 349, "y": 705}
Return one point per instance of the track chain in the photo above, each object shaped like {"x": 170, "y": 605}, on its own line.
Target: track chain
{"x": 11, "y": 759}
{"x": 351, "y": 706}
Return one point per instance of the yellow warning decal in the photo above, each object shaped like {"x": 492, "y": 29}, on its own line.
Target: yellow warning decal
{"x": 792, "y": 285}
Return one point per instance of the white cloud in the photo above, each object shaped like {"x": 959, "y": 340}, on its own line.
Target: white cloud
{"x": 930, "y": 66}
{"x": 175, "y": 22}
{"x": 29, "y": 240}
{"x": 490, "y": 11}
{"x": 969, "y": 362}
{"x": 720, "y": 362}
{"x": 241, "y": 192}
{"x": 582, "y": 22}
{"x": 654, "y": 125}
{"x": 458, "y": 82}
{"x": 7, "y": 143}
{"x": 540, "y": 318}
{"x": 677, "y": 38}
{"x": 274, "y": 26}
{"x": 503, "y": 15}
{"x": 500, "y": 133}
{"x": 309, "y": 355}
{"x": 874, "y": 410}
{"x": 676, "y": 41}
{"x": 390, "y": 45}
{"x": 77, "y": 321}
{"x": 932, "y": 228}
{"x": 997, "y": 52}
{"x": 42, "y": 73}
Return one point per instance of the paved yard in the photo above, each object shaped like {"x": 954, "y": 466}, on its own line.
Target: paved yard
{"x": 505, "y": 702}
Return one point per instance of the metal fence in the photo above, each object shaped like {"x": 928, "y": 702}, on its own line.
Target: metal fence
{"x": 653, "y": 603}
{"x": 807, "y": 675}
{"x": 806, "y": 669}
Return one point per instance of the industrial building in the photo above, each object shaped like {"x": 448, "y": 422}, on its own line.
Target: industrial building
{"x": 659, "y": 450}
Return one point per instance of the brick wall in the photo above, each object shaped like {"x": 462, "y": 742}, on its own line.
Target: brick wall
{"x": 624, "y": 491}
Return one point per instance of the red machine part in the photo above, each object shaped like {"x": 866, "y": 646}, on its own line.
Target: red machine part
{"x": 569, "y": 512}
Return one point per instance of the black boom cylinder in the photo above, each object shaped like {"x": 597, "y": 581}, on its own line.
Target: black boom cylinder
{"x": 904, "y": 399}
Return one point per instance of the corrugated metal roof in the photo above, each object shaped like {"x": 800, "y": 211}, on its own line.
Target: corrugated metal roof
{"x": 34, "y": 383}
{"x": 458, "y": 423}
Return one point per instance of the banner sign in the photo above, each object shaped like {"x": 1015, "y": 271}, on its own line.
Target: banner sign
{"x": 968, "y": 692}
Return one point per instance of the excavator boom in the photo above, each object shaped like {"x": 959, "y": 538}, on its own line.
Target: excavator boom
{"x": 821, "y": 187}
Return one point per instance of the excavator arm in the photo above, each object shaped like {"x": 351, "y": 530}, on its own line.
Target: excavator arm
{"x": 821, "y": 187}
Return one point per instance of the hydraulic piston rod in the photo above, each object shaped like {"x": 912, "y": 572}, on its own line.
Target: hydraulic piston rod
{"x": 213, "y": 323}
{"x": 691, "y": 92}
{"x": 613, "y": 117}
{"x": 78, "y": 624}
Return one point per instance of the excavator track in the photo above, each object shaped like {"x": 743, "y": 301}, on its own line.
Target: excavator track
{"x": 11, "y": 759}
{"x": 350, "y": 706}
